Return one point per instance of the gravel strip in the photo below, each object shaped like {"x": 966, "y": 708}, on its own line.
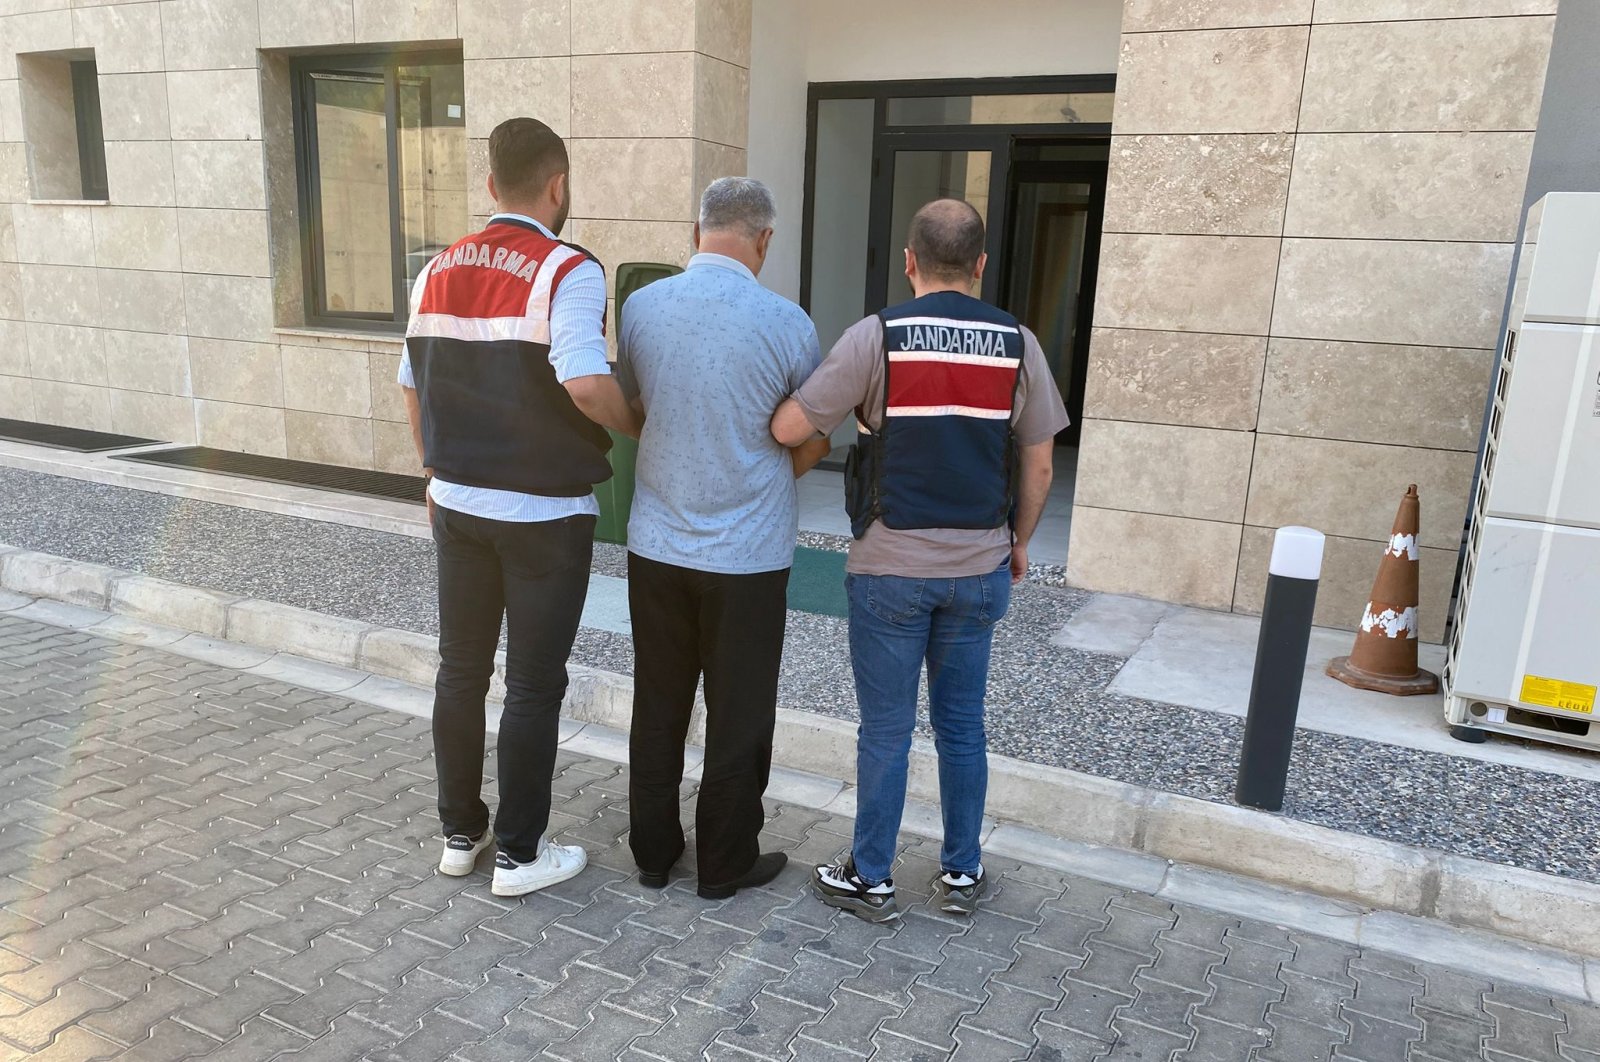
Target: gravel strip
{"x": 1047, "y": 704}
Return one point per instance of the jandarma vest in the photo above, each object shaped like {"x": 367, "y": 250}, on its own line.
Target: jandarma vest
{"x": 493, "y": 413}
{"x": 944, "y": 454}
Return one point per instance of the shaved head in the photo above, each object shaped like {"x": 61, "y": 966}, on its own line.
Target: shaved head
{"x": 947, "y": 238}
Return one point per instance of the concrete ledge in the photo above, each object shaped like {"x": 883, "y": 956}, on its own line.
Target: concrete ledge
{"x": 806, "y": 741}
{"x": 405, "y": 655}
{"x": 330, "y": 639}
{"x": 1519, "y": 903}
{"x": 1100, "y": 811}
{"x": 1559, "y": 972}
{"x": 43, "y": 575}
{"x": 1080, "y": 823}
{"x": 170, "y": 604}
{"x": 1288, "y": 852}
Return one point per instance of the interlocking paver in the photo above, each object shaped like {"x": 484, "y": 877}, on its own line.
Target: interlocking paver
{"x": 132, "y": 1019}
{"x": 813, "y": 981}
{"x": 33, "y": 1026}
{"x": 1056, "y": 1044}
{"x": 200, "y": 863}
{"x": 606, "y": 1036}
{"x": 312, "y": 1013}
{"x": 1088, "y": 1009}
{"x": 1525, "y": 1035}
{"x": 849, "y": 1024}
{"x": 166, "y": 1041}
{"x": 1216, "y": 1042}
{"x": 931, "y": 1017}
{"x": 37, "y": 982}
{"x": 686, "y": 1033}
{"x": 1374, "y": 1039}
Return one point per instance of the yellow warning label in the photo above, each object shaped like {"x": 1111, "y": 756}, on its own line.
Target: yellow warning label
{"x": 1554, "y": 693}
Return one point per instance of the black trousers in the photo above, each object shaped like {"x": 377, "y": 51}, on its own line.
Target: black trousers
{"x": 535, "y": 576}
{"x": 730, "y": 629}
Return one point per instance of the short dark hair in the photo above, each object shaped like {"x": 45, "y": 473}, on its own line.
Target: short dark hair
{"x": 524, "y": 154}
{"x": 947, "y": 238}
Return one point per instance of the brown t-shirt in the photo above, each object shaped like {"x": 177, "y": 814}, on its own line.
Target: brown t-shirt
{"x": 852, "y": 376}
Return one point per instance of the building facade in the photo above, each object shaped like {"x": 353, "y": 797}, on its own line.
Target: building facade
{"x": 1266, "y": 242}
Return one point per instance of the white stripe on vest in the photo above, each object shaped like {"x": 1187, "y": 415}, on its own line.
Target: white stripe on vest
{"x": 950, "y": 322}
{"x": 950, "y": 411}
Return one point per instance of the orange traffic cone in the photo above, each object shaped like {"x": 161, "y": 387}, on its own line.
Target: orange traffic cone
{"x": 1385, "y": 656}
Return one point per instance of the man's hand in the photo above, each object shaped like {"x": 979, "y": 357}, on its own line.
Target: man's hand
{"x": 808, "y": 453}
{"x": 601, "y": 400}
{"x": 1019, "y": 563}
{"x": 1038, "y": 463}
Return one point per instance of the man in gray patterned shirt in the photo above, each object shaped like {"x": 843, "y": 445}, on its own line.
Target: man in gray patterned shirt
{"x": 708, "y": 356}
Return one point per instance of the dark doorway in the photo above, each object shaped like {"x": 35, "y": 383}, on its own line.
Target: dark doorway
{"x": 1055, "y": 206}
{"x": 1030, "y": 154}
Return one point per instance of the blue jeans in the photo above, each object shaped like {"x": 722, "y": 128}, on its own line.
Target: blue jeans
{"x": 895, "y": 624}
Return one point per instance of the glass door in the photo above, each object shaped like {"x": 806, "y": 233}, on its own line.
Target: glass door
{"x": 919, "y": 178}
{"x": 910, "y": 171}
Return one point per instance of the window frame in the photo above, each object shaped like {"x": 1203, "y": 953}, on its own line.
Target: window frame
{"x": 308, "y": 173}
{"x": 85, "y": 76}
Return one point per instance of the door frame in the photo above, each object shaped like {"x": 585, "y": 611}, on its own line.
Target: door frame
{"x": 1093, "y": 174}
{"x": 887, "y": 139}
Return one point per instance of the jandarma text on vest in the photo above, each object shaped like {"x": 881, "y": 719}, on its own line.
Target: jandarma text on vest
{"x": 485, "y": 256}
{"x": 982, "y": 342}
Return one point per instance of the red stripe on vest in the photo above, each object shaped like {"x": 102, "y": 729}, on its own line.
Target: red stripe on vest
{"x": 937, "y": 383}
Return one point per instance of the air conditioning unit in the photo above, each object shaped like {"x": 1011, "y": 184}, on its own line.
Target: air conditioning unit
{"x": 1525, "y": 656}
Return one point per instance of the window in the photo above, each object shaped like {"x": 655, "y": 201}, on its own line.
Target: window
{"x": 381, "y": 151}
{"x": 61, "y": 121}
{"x": 91, "y": 139}
{"x": 1039, "y": 108}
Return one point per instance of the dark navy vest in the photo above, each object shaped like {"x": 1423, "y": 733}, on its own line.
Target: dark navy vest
{"x": 943, "y": 455}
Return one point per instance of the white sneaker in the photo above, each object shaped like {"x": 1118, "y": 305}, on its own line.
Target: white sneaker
{"x": 555, "y": 864}
{"x": 461, "y": 854}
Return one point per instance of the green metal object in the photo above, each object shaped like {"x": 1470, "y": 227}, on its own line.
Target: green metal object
{"x": 616, "y": 493}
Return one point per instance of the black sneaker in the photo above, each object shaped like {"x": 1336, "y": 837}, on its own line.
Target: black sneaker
{"x": 959, "y": 892}
{"x": 840, "y": 886}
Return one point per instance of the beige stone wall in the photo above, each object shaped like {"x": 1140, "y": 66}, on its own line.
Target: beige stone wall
{"x": 1308, "y": 239}
{"x": 174, "y": 311}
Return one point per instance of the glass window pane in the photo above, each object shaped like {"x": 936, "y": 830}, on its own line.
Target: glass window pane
{"x": 1051, "y": 108}
{"x": 433, "y": 162}
{"x": 353, "y": 189}
{"x": 921, "y": 176}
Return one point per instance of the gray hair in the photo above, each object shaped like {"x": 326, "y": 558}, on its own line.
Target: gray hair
{"x": 742, "y": 203}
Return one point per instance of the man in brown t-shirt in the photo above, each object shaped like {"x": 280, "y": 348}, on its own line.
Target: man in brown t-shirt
{"x": 957, "y": 413}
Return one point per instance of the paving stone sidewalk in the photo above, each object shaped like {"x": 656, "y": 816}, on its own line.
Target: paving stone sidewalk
{"x": 196, "y": 862}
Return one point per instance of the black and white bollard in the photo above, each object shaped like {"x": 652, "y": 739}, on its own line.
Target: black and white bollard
{"x": 1280, "y": 667}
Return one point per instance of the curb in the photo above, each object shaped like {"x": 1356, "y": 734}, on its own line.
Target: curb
{"x": 1380, "y": 893}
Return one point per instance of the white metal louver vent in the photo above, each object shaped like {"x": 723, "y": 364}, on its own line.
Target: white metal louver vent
{"x": 1525, "y": 655}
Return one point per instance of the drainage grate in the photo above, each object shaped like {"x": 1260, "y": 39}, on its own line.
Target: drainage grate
{"x": 279, "y": 470}
{"x": 79, "y": 439}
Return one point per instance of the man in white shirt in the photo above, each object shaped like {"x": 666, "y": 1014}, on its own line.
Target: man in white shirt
{"x": 509, "y": 394}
